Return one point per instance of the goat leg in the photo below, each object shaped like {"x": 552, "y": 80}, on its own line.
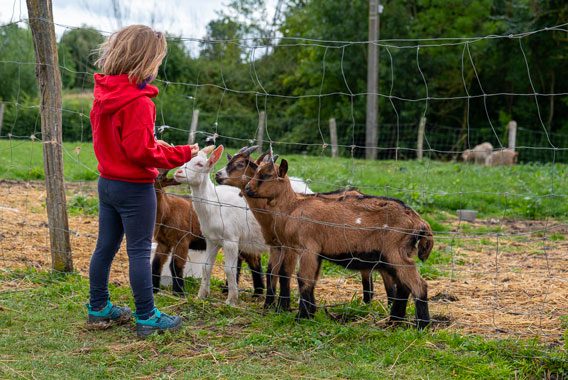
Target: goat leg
{"x": 177, "y": 266}
{"x": 231, "y": 253}
{"x": 160, "y": 257}
{"x": 310, "y": 265}
{"x": 255, "y": 265}
{"x": 225, "y": 288}
{"x": 390, "y": 286}
{"x": 274, "y": 263}
{"x": 367, "y": 280}
{"x": 285, "y": 276}
{"x": 409, "y": 278}
{"x": 211, "y": 254}
{"x": 398, "y": 308}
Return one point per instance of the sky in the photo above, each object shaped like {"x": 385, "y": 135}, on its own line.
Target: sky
{"x": 187, "y": 18}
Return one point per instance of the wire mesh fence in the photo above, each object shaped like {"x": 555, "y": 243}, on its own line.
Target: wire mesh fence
{"x": 502, "y": 275}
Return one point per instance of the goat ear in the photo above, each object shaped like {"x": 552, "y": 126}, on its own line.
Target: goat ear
{"x": 208, "y": 149}
{"x": 216, "y": 155}
{"x": 229, "y": 157}
{"x": 283, "y": 169}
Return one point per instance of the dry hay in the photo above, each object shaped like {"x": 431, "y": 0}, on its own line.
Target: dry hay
{"x": 510, "y": 283}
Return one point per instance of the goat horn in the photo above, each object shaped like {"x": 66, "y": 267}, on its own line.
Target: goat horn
{"x": 242, "y": 149}
{"x": 248, "y": 151}
{"x": 267, "y": 157}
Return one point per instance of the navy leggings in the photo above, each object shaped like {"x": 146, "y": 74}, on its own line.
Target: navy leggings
{"x": 124, "y": 208}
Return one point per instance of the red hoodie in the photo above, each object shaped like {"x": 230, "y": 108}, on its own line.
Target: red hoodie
{"x": 123, "y": 119}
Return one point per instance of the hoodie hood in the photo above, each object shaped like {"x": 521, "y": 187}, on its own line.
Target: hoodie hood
{"x": 112, "y": 92}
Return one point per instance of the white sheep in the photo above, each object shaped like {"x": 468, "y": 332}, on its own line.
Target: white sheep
{"x": 478, "y": 154}
{"x": 225, "y": 219}
{"x": 502, "y": 157}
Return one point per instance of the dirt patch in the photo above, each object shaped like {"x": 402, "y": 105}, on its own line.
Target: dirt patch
{"x": 505, "y": 278}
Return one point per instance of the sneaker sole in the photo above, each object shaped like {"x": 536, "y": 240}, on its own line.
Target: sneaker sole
{"x": 145, "y": 331}
{"x": 106, "y": 323}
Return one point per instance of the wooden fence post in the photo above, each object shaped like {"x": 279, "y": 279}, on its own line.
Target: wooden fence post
{"x": 371, "y": 121}
{"x": 512, "y": 127}
{"x": 333, "y": 137}
{"x": 1, "y": 116}
{"x": 49, "y": 80}
{"x": 193, "y": 127}
{"x": 260, "y": 133}
{"x": 420, "y": 142}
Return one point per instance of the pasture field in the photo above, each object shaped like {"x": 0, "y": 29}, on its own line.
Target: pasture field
{"x": 533, "y": 191}
{"x": 497, "y": 286}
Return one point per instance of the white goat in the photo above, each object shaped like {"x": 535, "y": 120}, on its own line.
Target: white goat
{"x": 225, "y": 221}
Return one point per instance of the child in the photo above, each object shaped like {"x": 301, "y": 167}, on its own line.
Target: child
{"x": 122, "y": 119}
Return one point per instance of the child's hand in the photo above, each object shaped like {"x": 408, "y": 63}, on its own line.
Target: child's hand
{"x": 163, "y": 143}
{"x": 194, "y": 150}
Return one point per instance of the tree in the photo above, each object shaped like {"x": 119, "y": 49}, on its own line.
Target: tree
{"x": 17, "y": 66}
{"x": 221, "y": 42}
{"x": 82, "y": 44}
{"x": 66, "y": 66}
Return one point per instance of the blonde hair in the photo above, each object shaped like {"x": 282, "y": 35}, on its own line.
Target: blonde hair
{"x": 136, "y": 50}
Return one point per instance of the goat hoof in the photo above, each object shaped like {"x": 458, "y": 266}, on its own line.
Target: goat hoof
{"x": 422, "y": 324}
{"x": 282, "y": 308}
{"x": 269, "y": 302}
{"x": 203, "y": 294}
{"x": 155, "y": 290}
{"x": 231, "y": 302}
{"x": 396, "y": 321}
{"x": 302, "y": 317}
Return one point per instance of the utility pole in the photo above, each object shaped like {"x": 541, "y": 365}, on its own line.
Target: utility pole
{"x": 371, "y": 130}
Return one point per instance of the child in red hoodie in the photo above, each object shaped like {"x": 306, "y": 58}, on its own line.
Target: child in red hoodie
{"x": 122, "y": 120}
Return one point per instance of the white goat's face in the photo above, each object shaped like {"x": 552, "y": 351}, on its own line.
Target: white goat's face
{"x": 197, "y": 170}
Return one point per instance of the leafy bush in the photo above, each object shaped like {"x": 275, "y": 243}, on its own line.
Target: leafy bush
{"x": 23, "y": 119}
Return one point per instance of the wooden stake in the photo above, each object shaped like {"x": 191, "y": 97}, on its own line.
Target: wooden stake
{"x": 193, "y": 127}
{"x": 49, "y": 81}
{"x": 512, "y": 127}
{"x": 333, "y": 137}
{"x": 260, "y": 134}
{"x": 420, "y": 142}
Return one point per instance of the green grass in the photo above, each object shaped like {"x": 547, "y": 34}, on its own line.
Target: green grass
{"x": 23, "y": 160}
{"x": 81, "y": 204}
{"x": 533, "y": 191}
{"x": 43, "y": 335}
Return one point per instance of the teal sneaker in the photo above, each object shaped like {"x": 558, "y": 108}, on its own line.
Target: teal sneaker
{"x": 108, "y": 315}
{"x": 158, "y": 321}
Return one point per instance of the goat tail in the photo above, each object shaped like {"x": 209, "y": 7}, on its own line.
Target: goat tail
{"x": 425, "y": 240}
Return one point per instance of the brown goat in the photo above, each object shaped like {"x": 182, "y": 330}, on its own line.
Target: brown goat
{"x": 239, "y": 170}
{"x": 177, "y": 230}
{"x": 379, "y": 233}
